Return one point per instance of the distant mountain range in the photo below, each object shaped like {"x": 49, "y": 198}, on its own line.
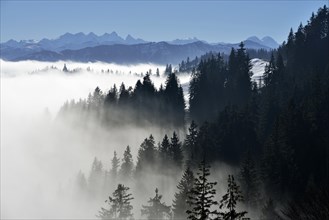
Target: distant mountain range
{"x": 113, "y": 48}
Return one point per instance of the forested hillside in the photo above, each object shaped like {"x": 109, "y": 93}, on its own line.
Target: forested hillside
{"x": 275, "y": 135}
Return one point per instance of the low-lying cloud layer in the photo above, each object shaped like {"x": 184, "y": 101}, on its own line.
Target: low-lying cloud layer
{"x": 40, "y": 158}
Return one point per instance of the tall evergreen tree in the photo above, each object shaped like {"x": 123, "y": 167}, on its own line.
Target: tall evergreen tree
{"x": 127, "y": 165}
{"x": 185, "y": 186}
{"x": 201, "y": 197}
{"x": 120, "y": 207}
{"x": 190, "y": 144}
{"x": 176, "y": 151}
{"x": 95, "y": 177}
{"x": 165, "y": 155}
{"x": 229, "y": 201}
{"x": 115, "y": 166}
{"x": 146, "y": 155}
{"x": 112, "y": 96}
{"x": 156, "y": 209}
{"x": 174, "y": 100}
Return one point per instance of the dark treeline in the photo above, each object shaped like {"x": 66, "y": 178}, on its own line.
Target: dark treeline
{"x": 141, "y": 105}
{"x": 195, "y": 193}
{"x": 192, "y": 65}
{"x": 276, "y": 133}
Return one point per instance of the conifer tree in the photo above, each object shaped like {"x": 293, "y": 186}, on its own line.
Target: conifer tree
{"x": 269, "y": 70}
{"x": 229, "y": 201}
{"x": 127, "y": 164}
{"x": 157, "y": 72}
{"x": 201, "y": 197}
{"x": 165, "y": 154}
{"x": 185, "y": 186}
{"x": 120, "y": 207}
{"x": 190, "y": 144}
{"x": 156, "y": 209}
{"x": 115, "y": 165}
{"x": 96, "y": 177}
{"x": 146, "y": 155}
{"x": 124, "y": 96}
{"x": 111, "y": 96}
{"x": 176, "y": 151}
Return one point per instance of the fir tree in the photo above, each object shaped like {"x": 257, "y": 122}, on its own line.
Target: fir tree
{"x": 229, "y": 201}
{"x": 96, "y": 177}
{"x": 176, "y": 151}
{"x": 190, "y": 144}
{"x": 115, "y": 165}
{"x": 156, "y": 209}
{"x": 112, "y": 96}
{"x": 201, "y": 197}
{"x": 120, "y": 207}
{"x": 127, "y": 164}
{"x": 165, "y": 154}
{"x": 185, "y": 186}
{"x": 146, "y": 155}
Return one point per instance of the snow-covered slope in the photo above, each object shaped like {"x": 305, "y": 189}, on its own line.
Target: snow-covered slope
{"x": 258, "y": 69}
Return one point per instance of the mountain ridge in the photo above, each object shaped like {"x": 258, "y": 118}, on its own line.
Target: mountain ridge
{"x": 114, "y": 48}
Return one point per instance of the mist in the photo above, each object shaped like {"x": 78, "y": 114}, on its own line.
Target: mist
{"x": 41, "y": 157}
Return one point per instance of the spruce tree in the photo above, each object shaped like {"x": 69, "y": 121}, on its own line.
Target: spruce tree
{"x": 156, "y": 209}
{"x": 146, "y": 155}
{"x": 229, "y": 201}
{"x": 120, "y": 207}
{"x": 201, "y": 197}
{"x": 185, "y": 186}
{"x": 127, "y": 165}
{"x": 111, "y": 96}
{"x": 176, "y": 151}
{"x": 115, "y": 165}
{"x": 190, "y": 144}
{"x": 165, "y": 155}
{"x": 95, "y": 177}
{"x": 124, "y": 96}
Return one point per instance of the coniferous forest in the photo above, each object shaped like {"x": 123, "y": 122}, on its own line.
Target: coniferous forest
{"x": 273, "y": 134}
{"x": 195, "y": 121}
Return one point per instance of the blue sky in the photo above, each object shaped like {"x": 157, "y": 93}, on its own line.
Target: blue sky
{"x": 213, "y": 21}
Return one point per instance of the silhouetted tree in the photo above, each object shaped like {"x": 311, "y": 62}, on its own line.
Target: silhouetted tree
{"x": 120, "y": 207}
{"x": 201, "y": 197}
{"x": 95, "y": 177}
{"x": 190, "y": 144}
{"x": 229, "y": 201}
{"x": 127, "y": 165}
{"x": 115, "y": 166}
{"x": 146, "y": 155}
{"x": 176, "y": 151}
{"x": 184, "y": 186}
{"x": 156, "y": 209}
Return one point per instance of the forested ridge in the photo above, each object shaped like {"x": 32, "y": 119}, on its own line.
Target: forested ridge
{"x": 276, "y": 134}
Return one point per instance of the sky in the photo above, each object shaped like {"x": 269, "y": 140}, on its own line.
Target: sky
{"x": 213, "y": 21}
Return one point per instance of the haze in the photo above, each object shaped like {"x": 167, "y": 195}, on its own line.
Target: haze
{"x": 40, "y": 158}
